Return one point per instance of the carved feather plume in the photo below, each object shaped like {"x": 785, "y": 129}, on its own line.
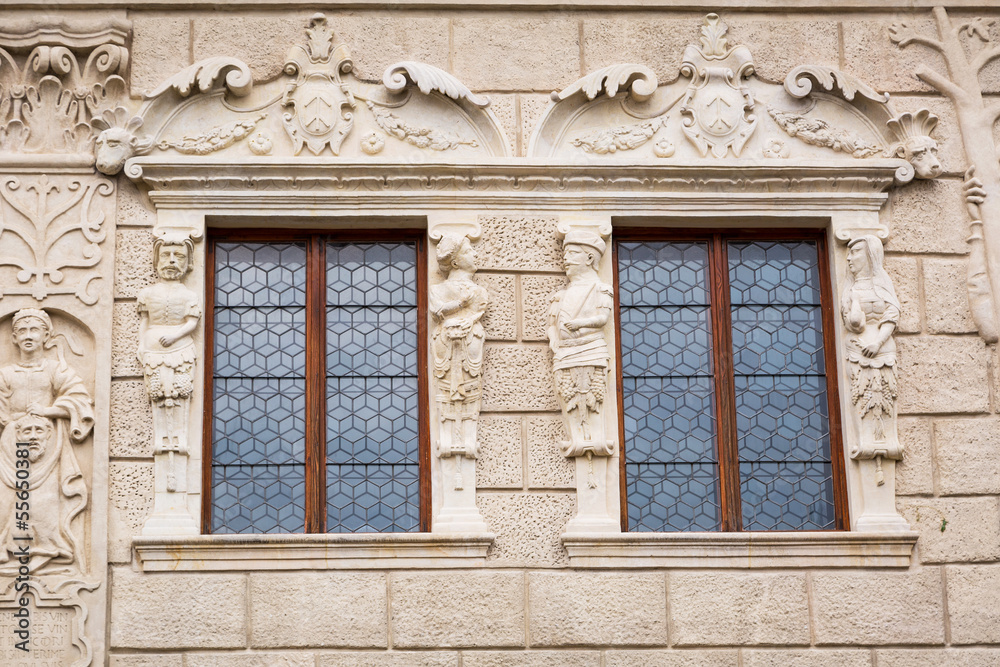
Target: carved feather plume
{"x": 205, "y": 74}
{"x": 428, "y": 79}
{"x": 627, "y": 76}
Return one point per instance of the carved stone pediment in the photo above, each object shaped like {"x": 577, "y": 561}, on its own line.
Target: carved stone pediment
{"x": 718, "y": 110}
{"x": 417, "y": 113}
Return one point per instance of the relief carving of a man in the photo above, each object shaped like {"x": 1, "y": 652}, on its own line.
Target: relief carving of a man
{"x": 44, "y": 403}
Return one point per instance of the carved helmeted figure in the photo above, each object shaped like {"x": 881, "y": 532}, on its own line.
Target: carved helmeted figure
{"x": 580, "y": 352}
{"x": 871, "y": 310}
{"x": 169, "y": 314}
{"x": 45, "y": 403}
{"x": 458, "y": 305}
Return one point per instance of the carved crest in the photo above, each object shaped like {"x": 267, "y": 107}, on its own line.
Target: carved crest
{"x": 318, "y": 106}
{"x": 717, "y": 110}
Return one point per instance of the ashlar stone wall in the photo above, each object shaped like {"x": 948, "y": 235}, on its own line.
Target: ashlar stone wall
{"x": 527, "y": 607}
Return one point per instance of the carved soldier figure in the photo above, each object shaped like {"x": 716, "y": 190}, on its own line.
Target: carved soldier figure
{"x": 576, "y": 336}
{"x": 458, "y": 305}
{"x": 871, "y": 310}
{"x": 169, "y": 314}
{"x": 44, "y": 403}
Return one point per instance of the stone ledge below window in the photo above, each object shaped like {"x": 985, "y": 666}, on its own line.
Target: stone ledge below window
{"x": 211, "y": 553}
{"x": 740, "y": 550}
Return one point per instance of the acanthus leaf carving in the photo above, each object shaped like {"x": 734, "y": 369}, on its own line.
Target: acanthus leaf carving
{"x": 801, "y": 81}
{"x": 428, "y": 79}
{"x": 205, "y": 75}
{"x": 817, "y": 132}
{"x": 624, "y": 138}
{"x": 421, "y": 137}
{"x": 639, "y": 80}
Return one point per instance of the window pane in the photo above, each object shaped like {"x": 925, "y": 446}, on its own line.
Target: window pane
{"x": 372, "y": 411}
{"x": 258, "y": 428}
{"x": 668, "y": 387}
{"x": 783, "y": 425}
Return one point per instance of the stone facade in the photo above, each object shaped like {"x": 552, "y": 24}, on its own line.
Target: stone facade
{"x": 124, "y": 132}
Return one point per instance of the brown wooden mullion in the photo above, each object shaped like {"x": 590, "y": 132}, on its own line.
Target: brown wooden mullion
{"x": 725, "y": 386}
{"x": 623, "y": 477}
{"x": 423, "y": 391}
{"x": 207, "y": 390}
{"x": 315, "y": 390}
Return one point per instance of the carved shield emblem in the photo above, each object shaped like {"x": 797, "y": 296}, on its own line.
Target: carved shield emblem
{"x": 318, "y": 113}
{"x": 718, "y": 108}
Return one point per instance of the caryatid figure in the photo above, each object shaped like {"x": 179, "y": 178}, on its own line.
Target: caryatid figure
{"x": 169, "y": 314}
{"x": 458, "y": 305}
{"x": 581, "y": 358}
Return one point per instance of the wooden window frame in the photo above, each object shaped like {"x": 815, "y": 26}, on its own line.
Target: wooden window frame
{"x": 315, "y": 385}
{"x": 722, "y": 362}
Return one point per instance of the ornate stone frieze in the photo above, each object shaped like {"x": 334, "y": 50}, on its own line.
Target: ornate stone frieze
{"x": 818, "y": 132}
{"x": 968, "y": 46}
{"x": 619, "y": 138}
{"x": 215, "y": 139}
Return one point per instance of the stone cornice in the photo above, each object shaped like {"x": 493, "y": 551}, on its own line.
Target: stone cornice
{"x": 531, "y": 5}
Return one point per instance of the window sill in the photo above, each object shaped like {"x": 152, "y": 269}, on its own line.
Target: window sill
{"x": 212, "y": 553}
{"x": 741, "y": 550}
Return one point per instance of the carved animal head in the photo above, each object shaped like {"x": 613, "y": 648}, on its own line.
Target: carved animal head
{"x": 914, "y": 143}
{"x": 117, "y": 141}
{"x": 921, "y": 152}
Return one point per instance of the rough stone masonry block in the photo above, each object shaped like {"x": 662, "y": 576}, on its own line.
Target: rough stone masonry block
{"x": 539, "y": 52}
{"x": 780, "y": 46}
{"x": 547, "y": 467}
{"x": 967, "y": 452}
{"x": 519, "y": 378}
{"x": 672, "y": 658}
{"x": 457, "y": 609}
{"x": 928, "y": 216}
{"x": 175, "y": 610}
{"x": 947, "y": 296}
{"x": 318, "y": 609}
{"x": 133, "y": 262}
{"x": 131, "y": 495}
{"x": 499, "y": 465}
{"x": 939, "y": 374}
{"x": 739, "y": 609}
{"x": 125, "y": 340}
{"x": 378, "y": 41}
{"x": 521, "y": 242}
{"x": 391, "y": 659}
{"x": 147, "y": 660}
{"x": 643, "y": 39}
{"x": 948, "y": 657}
{"x": 533, "y": 108}
{"x": 971, "y": 531}
{"x": 531, "y": 659}
{"x": 536, "y": 299}
{"x": 259, "y": 41}
{"x": 914, "y": 474}
{"x": 131, "y": 430}
{"x": 871, "y": 56}
{"x": 972, "y": 604}
{"x": 905, "y": 278}
{"x": 597, "y": 609}
{"x": 500, "y": 320}
{"x": 132, "y": 211}
{"x": 249, "y": 660}
{"x": 864, "y": 607}
{"x": 159, "y": 50}
{"x": 504, "y": 107}
{"x": 807, "y": 658}
{"x": 527, "y": 527}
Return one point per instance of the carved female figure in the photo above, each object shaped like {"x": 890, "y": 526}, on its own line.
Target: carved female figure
{"x": 458, "y": 305}
{"x": 871, "y": 310}
{"x": 44, "y": 403}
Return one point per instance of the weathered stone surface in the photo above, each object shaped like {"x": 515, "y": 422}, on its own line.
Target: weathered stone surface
{"x": 972, "y": 604}
{"x": 533, "y": 108}
{"x": 249, "y": 660}
{"x": 391, "y": 659}
{"x": 905, "y": 278}
{"x": 131, "y": 498}
{"x": 531, "y": 659}
{"x": 376, "y": 42}
{"x": 159, "y": 50}
{"x": 469, "y": 609}
{"x": 536, "y": 299}
{"x": 672, "y": 658}
{"x": 871, "y": 56}
{"x": 539, "y": 52}
{"x": 147, "y": 660}
{"x": 928, "y": 216}
{"x": 806, "y": 658}
{"x": 500, "y": 320}
{"x": 161, "y": 610}
{"x": 644, "y": 39}
{"x": 504, "y": 107}
{"x": 954, "y": 530}
{"x": 547, "y": 467}
{"x": 948, "y": 657}
{"x": 519, "y": 241}
{"x": 878, "y": 607}
{"x": 947, "y": 296}
{"x": 290, "y": 610}
{"x": 914, "y": 474}
{"x": 938, "y": 374}
{"x": 125, "y": 340}
{"x": 967, "y": 454}
{"x": 259, "y": 41}
{"x": 132, "y": 211}
{"x": 597, "y": 609}
{"x": 499, "y": 465}
{"x": 520, "y": 378}
{"x": 133, "y": 262}
{"x": 778, "y": 46}
{"x": 527, "y": 527}
{"x": 739, "y": 609}
{"x": 131, "y": 432}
